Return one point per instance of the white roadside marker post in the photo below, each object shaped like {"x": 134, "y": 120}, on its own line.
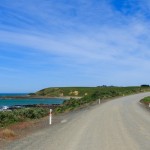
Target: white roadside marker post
{"x": 149, "y": 104}
{"x": 99, "y": 100}
{"x": 50, "y": 116}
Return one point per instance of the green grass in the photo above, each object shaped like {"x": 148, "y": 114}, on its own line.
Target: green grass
{"x": 146, "y": 100}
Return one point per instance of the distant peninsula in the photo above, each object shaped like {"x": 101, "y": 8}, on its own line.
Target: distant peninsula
{"x": 85, "y": 91}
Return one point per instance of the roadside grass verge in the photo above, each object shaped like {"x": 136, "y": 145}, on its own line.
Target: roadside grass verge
{"x": 145, "y": 100}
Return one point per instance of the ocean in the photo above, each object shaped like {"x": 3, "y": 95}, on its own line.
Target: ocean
{"x": 28, "y": 101}
{"x": 13, "y": 94}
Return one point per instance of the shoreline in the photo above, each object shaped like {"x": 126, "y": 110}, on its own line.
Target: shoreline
{"x": 39, "y": 97}
{"x": 42, "y": 105}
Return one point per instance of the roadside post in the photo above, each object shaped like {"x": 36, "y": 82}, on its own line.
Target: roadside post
{"x": 99, "y": 101}
{"x": 149, "y": 104}
{"x": 50, "y": 116}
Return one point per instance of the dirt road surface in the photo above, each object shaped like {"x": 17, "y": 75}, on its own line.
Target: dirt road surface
{"x": 121, "y": 124}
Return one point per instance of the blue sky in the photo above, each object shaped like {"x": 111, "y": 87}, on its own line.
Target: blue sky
{"x": 51, "y": 43}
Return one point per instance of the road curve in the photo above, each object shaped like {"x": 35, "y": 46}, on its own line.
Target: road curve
{"x": 121, "y": 124}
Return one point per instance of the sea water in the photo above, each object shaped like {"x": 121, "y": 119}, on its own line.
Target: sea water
{"x": 26, "y": 101}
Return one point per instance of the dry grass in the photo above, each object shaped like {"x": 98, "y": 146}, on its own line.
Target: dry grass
{"x": 7, "y": 134}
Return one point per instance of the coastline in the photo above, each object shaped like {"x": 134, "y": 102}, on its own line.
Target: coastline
{"x": 42, "y": 104}
{"x": 39, "y": 97}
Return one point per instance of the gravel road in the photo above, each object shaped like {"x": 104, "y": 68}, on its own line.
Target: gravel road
{"x": 120, "y": 124}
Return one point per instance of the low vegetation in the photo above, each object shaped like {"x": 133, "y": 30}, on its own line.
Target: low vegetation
{"x": 19, "y": 115}
{"x": 99, "y": 92}
{"x": 146, "y": 100}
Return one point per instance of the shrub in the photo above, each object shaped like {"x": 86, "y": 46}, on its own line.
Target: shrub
{"x": 7, "y": 133}
{"x": 9, "y": 117}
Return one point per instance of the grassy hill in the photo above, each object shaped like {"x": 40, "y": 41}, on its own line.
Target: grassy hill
{"x": 84, "y": 91}
{"x": 66, "y": 91}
